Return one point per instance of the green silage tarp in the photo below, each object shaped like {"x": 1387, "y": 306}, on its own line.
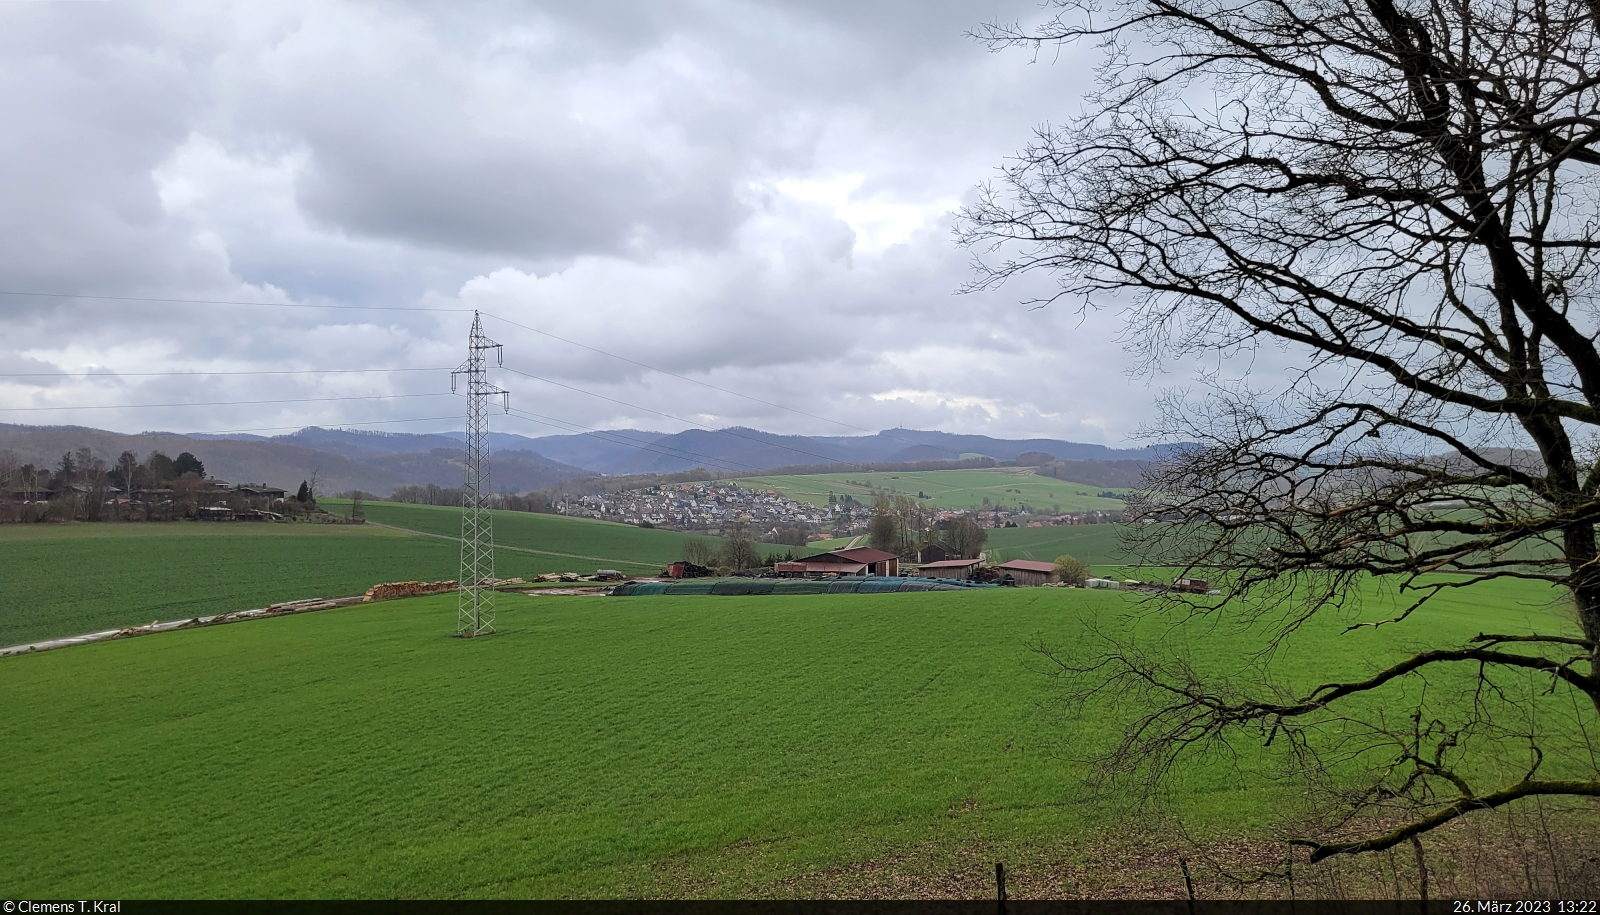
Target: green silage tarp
{"x": 801, "y": 586}
{"x": 739, "y": 587}
{"x": 698, "y": 587}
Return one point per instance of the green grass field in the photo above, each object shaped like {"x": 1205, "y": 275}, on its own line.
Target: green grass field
{"x": 1007, "y": 487}
{"x": 1095, "y": 544}
{"x": 71, "y": 579}
{"x": 648, "y": 746}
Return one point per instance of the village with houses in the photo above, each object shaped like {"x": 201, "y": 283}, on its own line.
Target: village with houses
{"x": 720, "y": 507}
{"x": 715, "y": 507}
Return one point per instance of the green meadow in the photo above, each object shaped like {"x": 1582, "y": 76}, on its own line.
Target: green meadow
{"x": 614, "y": 747}
{"x": 1004, "y": 487}
{"x": 71, "y": 579}
{"x": 1095, "y": 544}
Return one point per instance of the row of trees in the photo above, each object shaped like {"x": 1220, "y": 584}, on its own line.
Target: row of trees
{"x": 85, "y": 487}
{"x": 434, "y": 494}
{"x": 902, "y": 525}
{"x": 83, "y": 469}
{"x": 736, "y": 553}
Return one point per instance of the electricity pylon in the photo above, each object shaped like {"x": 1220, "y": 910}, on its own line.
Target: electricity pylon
{"x": 475, "y": 595}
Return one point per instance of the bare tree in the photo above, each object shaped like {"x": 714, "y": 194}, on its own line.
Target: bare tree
{"x": 127, "y": 466}
{"x": 965, "y": 536}
{"x": 739, "y": 554}
{"x": 1399, "y": 200}
{"x": 884, "y": 529}
{"x": 702, "y": 551}
{"x": 10, "y": 481}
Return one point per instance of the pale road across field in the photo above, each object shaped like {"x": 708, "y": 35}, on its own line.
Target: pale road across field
{"x": 522, "y": 549}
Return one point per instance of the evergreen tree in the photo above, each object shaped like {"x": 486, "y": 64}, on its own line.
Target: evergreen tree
{"x": 304, "y": 495}
{"x": 160, "y": 468}
{"x": 188, "y": 463}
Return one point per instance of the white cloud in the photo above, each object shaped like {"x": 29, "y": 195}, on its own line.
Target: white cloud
{"x": 756, "y": 197}
{"x": 877, "y": 221}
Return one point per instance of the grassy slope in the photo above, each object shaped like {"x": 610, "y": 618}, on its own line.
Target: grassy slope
{"x": 1005, "y": 487}
{"x": 1095, "y": 544}
{"x": 598, "y": 747}
{"x": 69, "y": 579}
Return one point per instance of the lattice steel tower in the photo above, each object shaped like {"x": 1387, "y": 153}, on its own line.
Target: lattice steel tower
{"x": 475, "y": 601}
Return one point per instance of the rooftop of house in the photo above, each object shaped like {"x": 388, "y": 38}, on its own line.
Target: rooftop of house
{"x": 1027, "y": 565}
{"x": 865, "y": 554}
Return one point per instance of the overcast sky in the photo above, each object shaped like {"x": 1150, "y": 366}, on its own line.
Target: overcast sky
{"x": 756, "y": 196}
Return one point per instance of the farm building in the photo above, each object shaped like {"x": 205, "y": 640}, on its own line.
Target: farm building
{"x": 806, "y": 569}
{"x": 933, "y": 552}
{"x": 878, "y": 562}
{"x": 1028, "y": 573}
{"x": 859, "y": 561}
{"x": 949, "y": 568}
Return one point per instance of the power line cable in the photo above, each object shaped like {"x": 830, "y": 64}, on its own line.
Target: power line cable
{"x": 864, "y": 466}
{"x": 697, "y": 381}
{"x": 653, "y": 447}
{"x": 383, "y": 422}
{"x": 656, "y": 447}
{"x": 825, "y": 458}
{"x": 714, "y": 387}
{"x": 650, "y": 447}
{"x": 140, "y": 298}
{"x": 201, "y": 373}
{"x": 706, "y": 384}
{"x": 218, "y": 403}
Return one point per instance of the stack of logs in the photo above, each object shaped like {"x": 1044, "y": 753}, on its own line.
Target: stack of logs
{"x": 396, "y": 589}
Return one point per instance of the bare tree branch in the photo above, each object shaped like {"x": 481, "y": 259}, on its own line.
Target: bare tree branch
{"x": 1403, "y": 196}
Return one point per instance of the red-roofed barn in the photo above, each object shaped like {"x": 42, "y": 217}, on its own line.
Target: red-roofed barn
{"x": 1029, "y": 573}
{"x": 859, "y": 561}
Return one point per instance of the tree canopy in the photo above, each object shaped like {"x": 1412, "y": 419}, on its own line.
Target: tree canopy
{"x": 1391, "y": 210}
